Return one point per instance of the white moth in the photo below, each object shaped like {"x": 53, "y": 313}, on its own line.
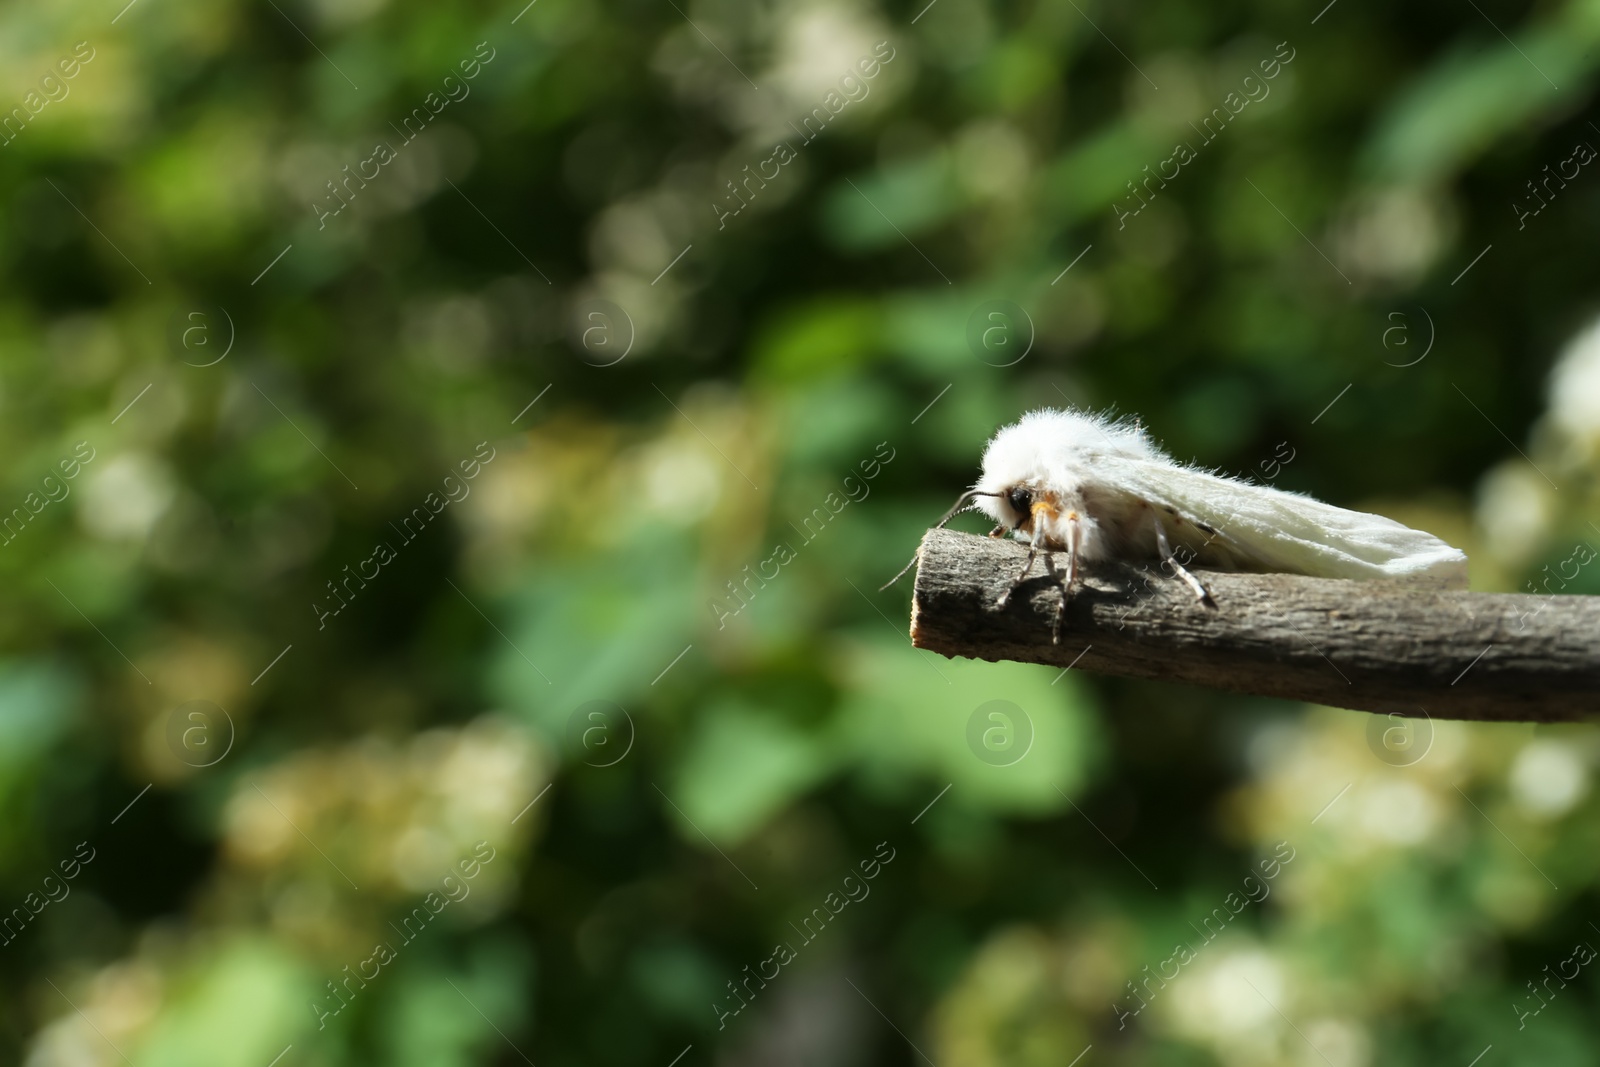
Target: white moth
{"x": 1099, "y": 489}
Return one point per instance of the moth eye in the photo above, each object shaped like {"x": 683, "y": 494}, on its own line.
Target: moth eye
{"x": 1021, "y": 499}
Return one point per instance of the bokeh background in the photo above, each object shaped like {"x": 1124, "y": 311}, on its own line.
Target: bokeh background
{"x": 219, "y": 397}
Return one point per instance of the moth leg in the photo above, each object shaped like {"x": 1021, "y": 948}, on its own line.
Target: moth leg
{"x": 1073, "y": 535}
{"x": 1165, "y": 548}
{"x": 1064, "y": 584}
{"x": 998, "y": 531}
{"x": 1027, "y": 565}
{"x": 1061, "y": 611}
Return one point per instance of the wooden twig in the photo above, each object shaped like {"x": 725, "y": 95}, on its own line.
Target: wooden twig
{"x": 1373, "y": 645}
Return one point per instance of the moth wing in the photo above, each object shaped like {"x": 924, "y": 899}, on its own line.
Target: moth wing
{"x": 1263, "y": 529}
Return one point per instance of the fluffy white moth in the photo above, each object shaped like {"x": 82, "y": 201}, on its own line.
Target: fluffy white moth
{"x": 1099, "y": 489}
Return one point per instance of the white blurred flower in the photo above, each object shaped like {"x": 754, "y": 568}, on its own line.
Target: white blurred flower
{"x": 483, "y": 775}
{"x": 1575, "y": 391}
{"x": 817, "y": 51}
{"x": 1397, "y": 810}
{"x": 256, "y": 833}
{"x": 123, "y": 499}
{"x": 67, "y": 1042}
{"x": 120, "y": 1000}
{"x": 1339, "y": 1042}
{"x": 1515, "y": 509}
{"x": 128, "y": 994}
{"x": 1548, "y": 778}
{"x": 650, "y": 312}
{"x": 420, "y": 855}
{"x": 680, "y": 481}
{"x": 1393, "y": 235}
{"x": 632, "y": 234}
{"x": 1274, "y": 744}
{"x": 1229, "y": 995}
{"x": 992, "y": 158}
{"x": 820, "y": 43}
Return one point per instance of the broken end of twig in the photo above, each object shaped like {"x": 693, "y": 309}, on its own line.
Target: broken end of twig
{"x": 916, "y": 611}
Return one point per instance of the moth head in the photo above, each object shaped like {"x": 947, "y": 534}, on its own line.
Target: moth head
{"x": 1011, "y": 505}
{"x": 1019, "y": 504}
{"x": 1020, "y": 465}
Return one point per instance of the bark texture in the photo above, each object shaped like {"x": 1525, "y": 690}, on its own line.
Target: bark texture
{"x": 1372, "y": 645}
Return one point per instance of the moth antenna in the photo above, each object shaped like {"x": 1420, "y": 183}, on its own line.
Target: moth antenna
{"x": 898, "y": 576}
{"x": 963, "y": 502}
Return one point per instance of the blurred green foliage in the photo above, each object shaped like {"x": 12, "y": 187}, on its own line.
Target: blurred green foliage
{"x": 674, "y": 761}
